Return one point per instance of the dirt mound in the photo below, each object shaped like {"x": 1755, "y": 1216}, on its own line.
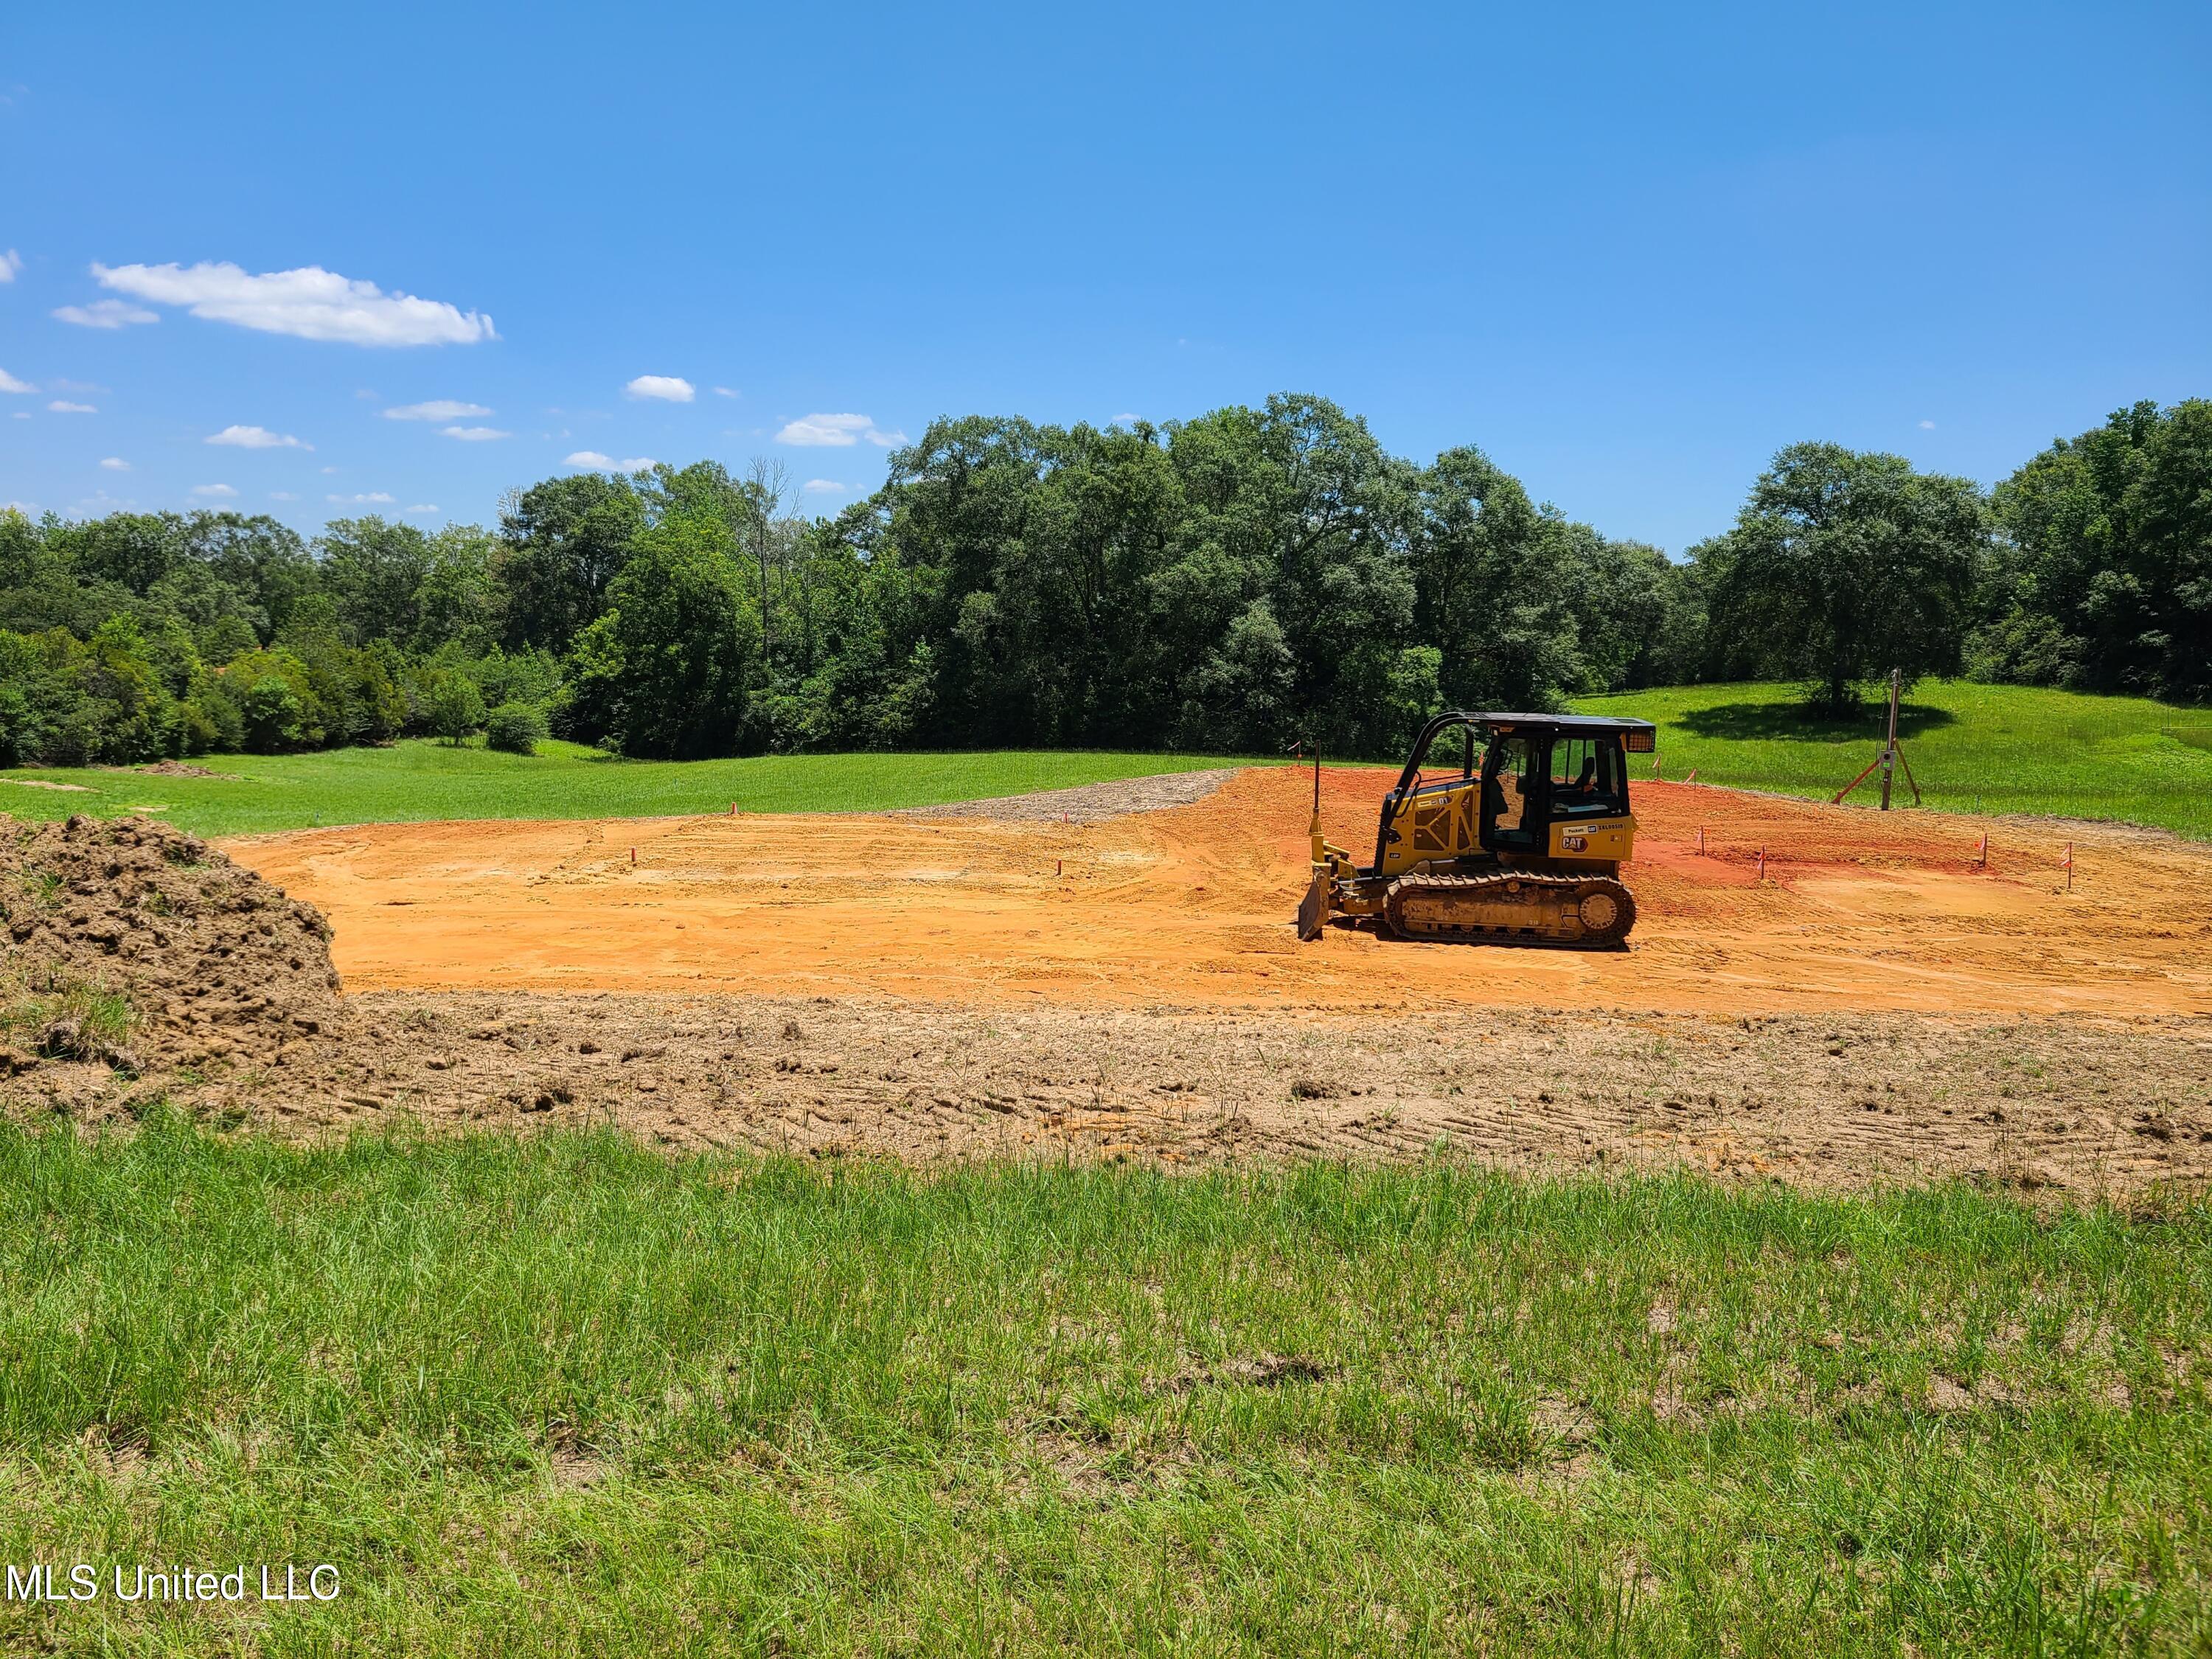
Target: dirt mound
{"x": 135, "y": 946}
{"x": 177, "y": 769}
{"x": 1089, "y": 803}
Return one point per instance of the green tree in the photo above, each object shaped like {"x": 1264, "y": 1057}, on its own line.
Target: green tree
{"x": 2104, "y": 579}
{"x": 670, "y": 658}
{"x": 373, "y": 570}
{"x": 457, "y": 707}
{"x": 564, "y": 540}
{"x": 1844, "y": 564}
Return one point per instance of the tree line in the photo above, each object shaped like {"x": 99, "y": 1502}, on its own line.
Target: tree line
{"x": 1235, "y": 583}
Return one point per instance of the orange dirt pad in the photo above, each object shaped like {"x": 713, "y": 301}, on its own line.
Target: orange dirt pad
{"x": 1191, "y": 907}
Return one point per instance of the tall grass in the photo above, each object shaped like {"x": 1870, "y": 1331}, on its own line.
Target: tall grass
{"x": 566, "y": 1395}
{"x": 1972, "y": 747}
{"x": 420, "y": 780}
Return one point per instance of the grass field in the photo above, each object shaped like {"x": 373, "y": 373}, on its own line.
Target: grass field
{"x": 421, "y": 780}
{"x": 566, "y": 1394}
{"x": 1973, "y": 748}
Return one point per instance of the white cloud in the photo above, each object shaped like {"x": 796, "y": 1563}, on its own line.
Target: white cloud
{"x": 10, "y": 383}
{"x": 106, "y": 313}
{"x": 214, "y": 492}
{"x": 1928, "y": 425}
{"x": 328, "y": 470}
{"x": 281, "y": 495}
{"x": 592, "y": 459}
{"x": 825, "y": 486}
{"x": 116, "y": 463}
{"x": 669, "y": 388}
{"x": 309, "y": 303}
{"x": 424, "y": 507}
{"x": 254, "y": 437}
{"x": 1126, "y": 420}
{"x": 834, "y": 432}
{"x": 473, "y": 434}
{"x": 364, "y": 498}
{"x": 10, "y": 263}
{"x": 29, "y": 509}
{"x": 438, "y": 409}
{"x": 64, "y": 406}
{"x": 727, "y": 392}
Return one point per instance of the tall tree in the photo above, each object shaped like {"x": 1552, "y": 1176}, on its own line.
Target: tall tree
{"x": 565, "y": 540}
{"x": 1844, "y": 564}
{"x": 2105, "y": 580}
{"x": 668, "y": 661}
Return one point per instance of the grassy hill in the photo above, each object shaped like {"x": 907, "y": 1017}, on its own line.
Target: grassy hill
{"x": 1973, "y": 748}
{"x": 421, "y": 780}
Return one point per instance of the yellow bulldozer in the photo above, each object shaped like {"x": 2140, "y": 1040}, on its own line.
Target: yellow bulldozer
{"x": 1515, "y": 836}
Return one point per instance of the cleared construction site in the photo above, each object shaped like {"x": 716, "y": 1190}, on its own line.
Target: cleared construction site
{"x": 1823, "y": 994}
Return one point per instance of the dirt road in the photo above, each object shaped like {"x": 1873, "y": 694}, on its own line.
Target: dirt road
{"x": 1189, "y": 907}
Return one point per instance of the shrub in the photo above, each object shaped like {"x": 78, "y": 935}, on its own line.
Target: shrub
{"x": 456, "y": 707}
{"x": 517, "y": 727}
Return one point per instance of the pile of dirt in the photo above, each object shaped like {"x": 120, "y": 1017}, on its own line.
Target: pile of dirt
{"x": 1089, "y": 803}
{"x": 218, "y": 969}
{"x": 177, "y": 769}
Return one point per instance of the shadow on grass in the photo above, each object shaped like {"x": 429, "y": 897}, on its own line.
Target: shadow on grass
{"x": 1750, "y": 721}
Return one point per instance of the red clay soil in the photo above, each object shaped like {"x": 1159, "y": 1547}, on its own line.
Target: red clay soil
{"x": 1191, "y": 907}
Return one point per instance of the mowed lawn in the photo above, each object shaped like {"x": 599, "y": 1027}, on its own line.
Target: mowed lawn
{"x": 568, "y": 1395}
{"x": 1972, "y": 747}
{"x": 422, "y": 779}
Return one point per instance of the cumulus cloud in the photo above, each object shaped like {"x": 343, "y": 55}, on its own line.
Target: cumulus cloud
{"x": 214, "y": 492}
{"x": 106, "y": 313}
{"x": 10, "y": 263}
{"x": 424, "y": 507}
{"x": 669, "y": 388}
{"x": 64, "y": 406}
{"x": 309, "y": 303}
{"x": 116, "y": 463}
{"x": 365, "y": 498}
{"x": 825, "y": 486}
{"x": 593, "y": 461}
{"x": 1928, "y": 425}
{"x": 438, "y": 409}
{"x": 473, "y": 434}
{"x": 254, "y": 437}
{"x": 836, "y": 432}
{"x": 10, "y": 383}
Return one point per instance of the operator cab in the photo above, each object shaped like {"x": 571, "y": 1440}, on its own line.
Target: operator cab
{"x": 1539, "y": 790}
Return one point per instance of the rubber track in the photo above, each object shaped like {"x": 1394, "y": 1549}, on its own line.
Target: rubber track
{"x": 1494, "y": 888}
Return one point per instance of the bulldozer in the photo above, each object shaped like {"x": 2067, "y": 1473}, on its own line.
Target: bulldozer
{"x": 1516, "y": 835}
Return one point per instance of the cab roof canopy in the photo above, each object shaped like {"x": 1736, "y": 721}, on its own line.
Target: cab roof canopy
{"x": 1554, "y": 722}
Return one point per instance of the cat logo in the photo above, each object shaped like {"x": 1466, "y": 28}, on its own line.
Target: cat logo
{"x": 1574, "y": 843}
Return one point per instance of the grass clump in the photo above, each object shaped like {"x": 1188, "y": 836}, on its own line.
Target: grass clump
{"x": 564, "y": 1395}
{"x": 65, "y": 1018}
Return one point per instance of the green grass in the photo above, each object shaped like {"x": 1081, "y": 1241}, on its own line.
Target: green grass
{"x": 1973, "y": 748}
{"x": 566, "y": 1395}
{"x": 422, "y": 779}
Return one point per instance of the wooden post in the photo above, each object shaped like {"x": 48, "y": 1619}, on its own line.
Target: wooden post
{"x": 2069, "y": 867}
{"x": 1889, "y": 750}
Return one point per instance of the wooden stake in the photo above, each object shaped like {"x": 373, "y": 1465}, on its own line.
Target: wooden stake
{"x": 1762, "y": 864}
{"x": 1889, "y": 750}
{"x": 2069, "y": 867}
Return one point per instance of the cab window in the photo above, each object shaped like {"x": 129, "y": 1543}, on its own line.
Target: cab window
{"x": 1587, "y": 777}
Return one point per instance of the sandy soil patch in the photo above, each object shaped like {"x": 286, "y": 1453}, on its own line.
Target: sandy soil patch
{"x": 1190, "y": 906}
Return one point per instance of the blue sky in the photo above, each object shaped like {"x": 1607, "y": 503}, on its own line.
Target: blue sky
{"x": 1628, "y": 254}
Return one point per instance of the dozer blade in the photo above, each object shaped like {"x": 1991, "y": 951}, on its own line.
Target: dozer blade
{"x": 1313, "y": 910}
